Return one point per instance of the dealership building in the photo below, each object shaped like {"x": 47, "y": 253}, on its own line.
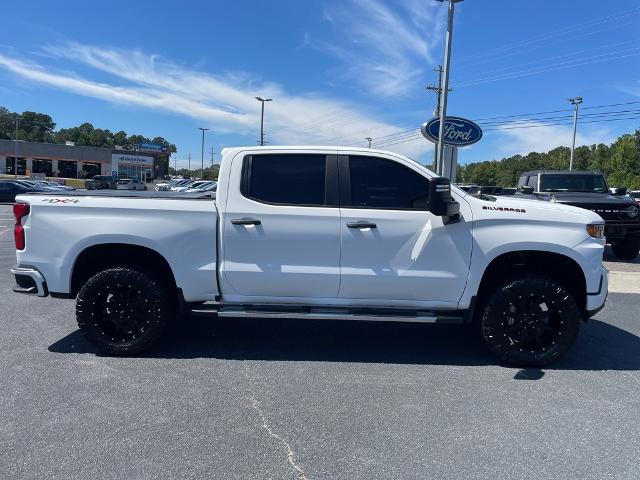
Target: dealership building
{"x": 72, "y": 161}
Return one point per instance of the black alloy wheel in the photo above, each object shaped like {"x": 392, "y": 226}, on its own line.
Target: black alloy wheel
{"x": 123, "y": 311}
{"x": 529, "y": 321}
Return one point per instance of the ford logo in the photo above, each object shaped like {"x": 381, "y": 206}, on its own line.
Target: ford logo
{"x": 459, "y": 132}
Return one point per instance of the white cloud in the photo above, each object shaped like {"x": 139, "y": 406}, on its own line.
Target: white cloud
{"x": 225, "y": 102}
{"x": 385, "y": 51}
{"x": 542, "y": 138}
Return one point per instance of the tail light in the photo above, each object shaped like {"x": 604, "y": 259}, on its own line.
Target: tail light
{"x": 20, "y": 210}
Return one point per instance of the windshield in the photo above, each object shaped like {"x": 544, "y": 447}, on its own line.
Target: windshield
{"x": 572, "y": 183}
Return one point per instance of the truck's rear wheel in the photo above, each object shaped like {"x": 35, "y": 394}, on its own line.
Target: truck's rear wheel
{"x": 628, "y": 248}
{"x": 123, "y": 311}
{"x": 529, "y": 321}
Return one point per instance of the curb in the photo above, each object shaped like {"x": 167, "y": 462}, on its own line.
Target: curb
{"x": 624, "y": 282}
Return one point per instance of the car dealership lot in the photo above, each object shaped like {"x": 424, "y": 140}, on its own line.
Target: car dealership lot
{"x": 299, "y": 399}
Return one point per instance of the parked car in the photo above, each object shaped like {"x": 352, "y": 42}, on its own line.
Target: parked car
{"x": 165, "y": 186}
{"x": 38, "y": 186}
{"x": 191, "y": 184}
{"x": 130, "y": 184}
{"x": 589, "y": 190}
{"x": 635, "y": 194}
{"x": 202, "y": 187}
{"x": 285, "y": 238}
{"x": 10, "y": 188}
{"x": 57, "y": 186}
{"x": 102, "y": 182}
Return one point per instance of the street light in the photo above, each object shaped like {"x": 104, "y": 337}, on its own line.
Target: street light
{"x": 262, "y": 100}
{"x": 576, "y": 101}
{"x": 445, "y": 86}
{"x": 202, "y": 153}
{"x": 15, "y": 158}
{"x": 369, "y": 140}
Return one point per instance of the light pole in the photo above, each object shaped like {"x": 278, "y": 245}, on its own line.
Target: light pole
{"x": 445, "y": 85}
{"x": 202, "y": 153}
{"x": 262, "y": 100}
{"x": 369, "y": 140}
{"x": 15, "y": 153}
{"x": 576, "y": 101}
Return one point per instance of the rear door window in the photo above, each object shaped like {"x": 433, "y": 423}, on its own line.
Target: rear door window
{"x": 285, "y": 179}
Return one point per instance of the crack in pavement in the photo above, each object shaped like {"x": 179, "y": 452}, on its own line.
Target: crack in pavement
{"x": 265, "y": 424}
{"x": 290, "y": 453}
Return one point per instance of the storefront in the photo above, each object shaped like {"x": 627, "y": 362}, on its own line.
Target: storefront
{"x": 10, "y": 166}
{"x": 132, "y": 166}
{"x": 42, "y": 166}
{"x": 71, "y": 161}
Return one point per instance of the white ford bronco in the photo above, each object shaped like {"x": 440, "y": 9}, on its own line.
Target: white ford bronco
{"x": 316, "y": 232}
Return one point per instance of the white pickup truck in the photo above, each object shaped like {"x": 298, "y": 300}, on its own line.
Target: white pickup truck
{"x": 322, "y": 233}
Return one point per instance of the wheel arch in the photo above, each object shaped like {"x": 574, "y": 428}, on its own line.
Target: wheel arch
{"x": 558, "y": 266}
{"x": 97, "y": 257}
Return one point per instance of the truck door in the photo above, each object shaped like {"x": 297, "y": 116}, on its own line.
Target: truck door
{"x": 391, "y": 250}
{"x": 281, "y": 227}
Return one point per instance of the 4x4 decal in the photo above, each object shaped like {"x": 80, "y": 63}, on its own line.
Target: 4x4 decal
{"x": 61, "y": 200}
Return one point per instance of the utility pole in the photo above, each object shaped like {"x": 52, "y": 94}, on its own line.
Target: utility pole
{"x": 202, "y": 153}
{"x": 15, "y": 153}
{"x": 436, "y": 112}
{"x": 445, "y": 85}
{"x": 262, "y": 100}
{"x": 189, "y": 169}
{"x": 175, "y": 164}
{"x": 576, "y": 101}
{"x": 212, "y": 152}
{"x": 369, "y": 140}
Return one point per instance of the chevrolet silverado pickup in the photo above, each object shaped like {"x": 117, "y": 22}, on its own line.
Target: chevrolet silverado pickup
{"x": 318, "y": 233}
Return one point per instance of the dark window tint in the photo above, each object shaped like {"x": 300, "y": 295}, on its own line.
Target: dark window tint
{"x": 293, "y": 179}
{"x": 533, "y": 182}
{"x": 379, "y": 183}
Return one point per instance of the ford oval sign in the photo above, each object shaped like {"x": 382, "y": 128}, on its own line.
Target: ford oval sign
{"x": 458, "y": 132}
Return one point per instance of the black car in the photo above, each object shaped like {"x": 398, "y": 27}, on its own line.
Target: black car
{"x": 589, "y": 189}
{"x": 102, "y": 182}
{"x": 10, "y": 188}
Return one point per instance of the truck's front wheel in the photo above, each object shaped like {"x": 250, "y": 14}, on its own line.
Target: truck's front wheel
{"x": 529, "y": 321}
{"x": 123, "y": 311}
{"x": 628, "y": 248}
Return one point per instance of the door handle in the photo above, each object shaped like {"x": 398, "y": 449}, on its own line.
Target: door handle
{"x": 361, "y": 225}
{"x": 245, "y": 221}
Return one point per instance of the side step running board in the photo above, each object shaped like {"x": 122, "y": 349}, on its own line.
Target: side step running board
{"x": 337, "y": 314}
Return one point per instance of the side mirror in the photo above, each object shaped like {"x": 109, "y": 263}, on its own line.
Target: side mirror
{"x": 441, "y": 203}
{"x": 620, "y": 192}
{"x": 526, "y": 189}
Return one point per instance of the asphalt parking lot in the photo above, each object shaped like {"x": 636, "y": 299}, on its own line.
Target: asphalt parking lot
{"x": 299, "y": 399}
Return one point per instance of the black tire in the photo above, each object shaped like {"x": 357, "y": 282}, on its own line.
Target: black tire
{"x": 529, "y": 321}
{"x": 124, "y": 311}
{"x": 628, "y": 248}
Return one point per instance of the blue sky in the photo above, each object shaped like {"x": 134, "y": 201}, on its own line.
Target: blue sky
{"x": 338, "y": 71}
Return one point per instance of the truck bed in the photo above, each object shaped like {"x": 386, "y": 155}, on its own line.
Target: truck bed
{"x": 128, "y": 194}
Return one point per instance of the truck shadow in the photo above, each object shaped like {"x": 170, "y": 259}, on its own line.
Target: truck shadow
{"x": 600, "y": 346}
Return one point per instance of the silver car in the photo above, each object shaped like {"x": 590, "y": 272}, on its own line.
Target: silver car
{"x": 130, "y": 184}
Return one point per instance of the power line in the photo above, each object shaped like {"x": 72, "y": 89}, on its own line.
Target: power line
{"x": 556, "y": 33}
{"x": 551, "y": 68}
